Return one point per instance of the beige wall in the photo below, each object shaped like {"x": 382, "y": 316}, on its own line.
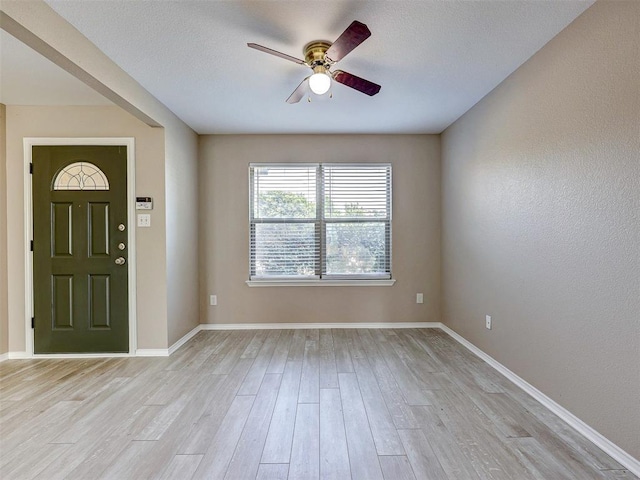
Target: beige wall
{"x": 150, "y": 242}
{"x": 181, "y": 179}
{"x": 4, "y": 315}
{"x": 541, "y": 221}
{"x": 224, "y": 240}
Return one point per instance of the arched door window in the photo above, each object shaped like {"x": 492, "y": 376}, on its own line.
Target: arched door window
{"x": 81, "y": 176}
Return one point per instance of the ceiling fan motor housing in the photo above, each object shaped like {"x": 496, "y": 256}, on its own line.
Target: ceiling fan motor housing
{"x": 314, "y": 53}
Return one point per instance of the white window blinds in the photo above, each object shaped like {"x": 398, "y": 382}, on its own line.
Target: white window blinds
{"x": 320, "y": 221}
{"x": 357, "y": 220}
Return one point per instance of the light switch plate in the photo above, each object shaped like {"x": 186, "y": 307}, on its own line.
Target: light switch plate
{"x": 144, "y": 220}
{"x": 419, "y": 298}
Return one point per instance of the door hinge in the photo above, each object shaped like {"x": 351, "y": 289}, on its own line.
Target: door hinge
{"x": 31, "y": 168}
{"x": 32, "y": 245}
{"x": 33, "y": 322}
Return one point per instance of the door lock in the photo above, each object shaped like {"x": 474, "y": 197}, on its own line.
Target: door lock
{"x": 121, "y": 227}
{"x": 120, "y": 261}
{"x": 121, "y": 246}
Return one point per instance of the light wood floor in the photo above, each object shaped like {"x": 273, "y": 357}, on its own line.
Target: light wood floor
{"x": 277, "y": 404}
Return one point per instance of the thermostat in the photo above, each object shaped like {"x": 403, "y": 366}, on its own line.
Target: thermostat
{"x": 144, "y": 203}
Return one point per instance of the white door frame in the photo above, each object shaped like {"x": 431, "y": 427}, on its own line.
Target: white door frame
{"x": 128, "y": 142}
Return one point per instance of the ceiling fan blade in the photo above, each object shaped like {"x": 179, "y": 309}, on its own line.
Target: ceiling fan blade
{"x": 276, "y": 53}
{"x": 354, "y": 35}
{"x": 299, "y": 92}
{"x": 357, "y": 83}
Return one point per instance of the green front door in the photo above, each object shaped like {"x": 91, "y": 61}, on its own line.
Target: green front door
{"x": 80, "y": 249}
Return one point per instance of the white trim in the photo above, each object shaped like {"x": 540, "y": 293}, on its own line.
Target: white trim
{"x": 4, "y": 356}
{"x": 298, "y": 326}
{"x": 582, "y": 428}
{"x": 152, "y": 352}
{"x": 188, "y": 336}
{"x": 321, "y": 283}
{"x": 128, "y": 142}
{"x": 19, "y": 356}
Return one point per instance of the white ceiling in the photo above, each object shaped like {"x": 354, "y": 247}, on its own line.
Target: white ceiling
{"x": 434, "y": 59}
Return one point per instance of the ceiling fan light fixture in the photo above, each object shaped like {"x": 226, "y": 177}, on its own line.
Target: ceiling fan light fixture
{"x": 320, "y": 83}
{"x": 320, "y": 56}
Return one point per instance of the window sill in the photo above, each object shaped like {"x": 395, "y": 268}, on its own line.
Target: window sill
{"x": 321, "y": 283}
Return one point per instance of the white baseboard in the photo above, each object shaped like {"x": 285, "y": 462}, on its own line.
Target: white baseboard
{"x": 18, "y": 355}
{"x": 188, "y": 336}
{"x": 152, "y": 352}
{"x": 606, "y": 445}
{"x": 298, "y": 326}
{"x": 4, "y": 356}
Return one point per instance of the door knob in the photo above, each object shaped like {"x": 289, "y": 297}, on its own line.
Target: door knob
{"x": 121, "y": 227}
{"x": 120, "y": 261}
{"x": 121, "y": 246}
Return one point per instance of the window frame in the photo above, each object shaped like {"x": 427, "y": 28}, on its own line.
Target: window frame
{"x": 320, "y": 222}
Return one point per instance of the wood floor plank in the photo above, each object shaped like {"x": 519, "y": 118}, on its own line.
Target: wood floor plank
{"x": 18, "y": 468}
{"x": 255, "y": 344}
{"x": 273, "y": 471}
{"x": 253, "y": 379}
{"x": 383, "y": 430}
{"x": 560, "y": 436}
{"x": 444, "y": 445}
{"x": 246, "y": 458}
{"x": 396, "y": 468}
{"x": 334, "y": 454}
{"x": 341, "y": 348}
{"x": 328, "y": 368}
{"x": 412, "y": 388}
{"x": 182, "y": 467}
{"x": 277, "y": 448}
{"x": 281, "y": 352}
{"x": 310, "y": 379}
{"x": 618, "y": 474}
{"x": 305, "y": 451}
{"x": 362, "y": 450}
{"x": 540, "y": 462}
{"x": 99, "y": 449}
{"x": 204, "y": 429}
{"x": 216, "y": 459}
{"x": 423, "y": 460}
{"x": 400, "y": 412}
{"x": 487, "y": 452}
{"x": 296, "y": 348}
{"x": 125, "y": 465}
{"x": 42, "y": 429}
{"x": 231, "y": 354}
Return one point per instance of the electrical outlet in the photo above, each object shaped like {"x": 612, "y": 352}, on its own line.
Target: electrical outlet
{"x": 213, "y": 300}
{"x": 419, "y": 298}
{"x": 144, "y": 220}
{"x": 488, "y": 322}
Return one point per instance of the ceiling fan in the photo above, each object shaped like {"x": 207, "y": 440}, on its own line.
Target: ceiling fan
{"x": 320, "y": 56}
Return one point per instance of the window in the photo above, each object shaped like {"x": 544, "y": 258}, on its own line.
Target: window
{"x": 81, "y": 176}
{"x": 320, "y": 221}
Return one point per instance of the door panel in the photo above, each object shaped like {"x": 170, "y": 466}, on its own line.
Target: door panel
{"x": 99, "y": 300}
{"x": 98, "y": 229}
{"x": 80, "y": 293}
{"x": 61, "y": 227}
{"x": 62, "y": 298}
